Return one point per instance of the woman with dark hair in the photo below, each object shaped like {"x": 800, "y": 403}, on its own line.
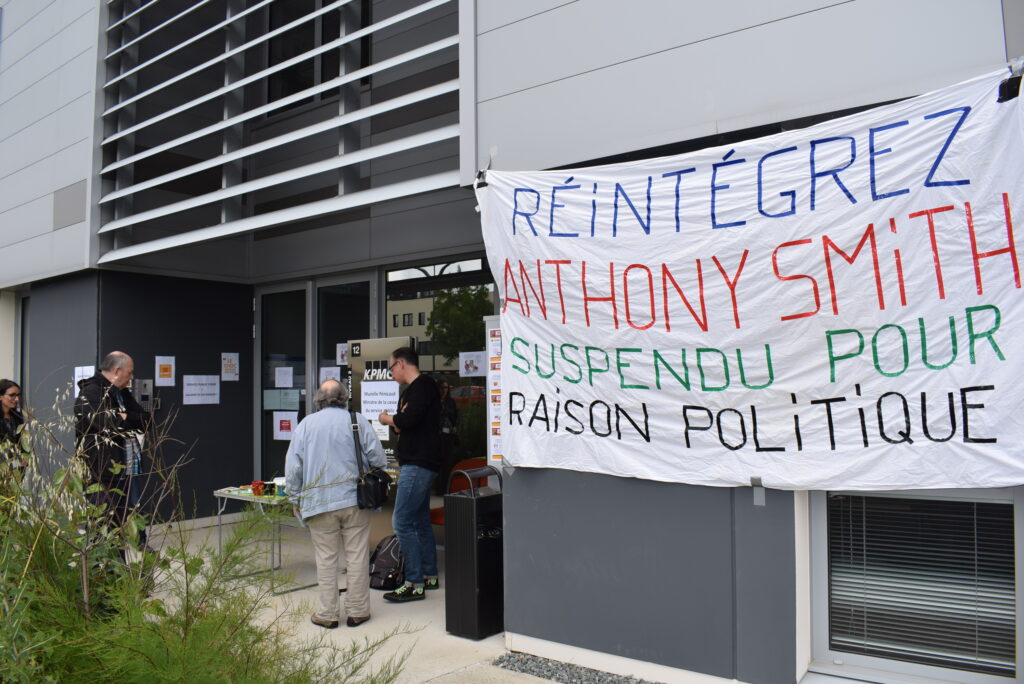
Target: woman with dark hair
{"x": 14, "y": 443}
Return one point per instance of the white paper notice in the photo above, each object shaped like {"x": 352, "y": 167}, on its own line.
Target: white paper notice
{"x": 342, "y": 354}
{"x": 200, "y": 389}
{"x": 164, "y": 374}
{"x": 494, "y": 341}
{"x": 290, "y": 399}
{"x": 330, "y": 373}
{"x": 229, "y": 366}
{"x": 382, "y": 431}
{"x": 495, "y": 448}
{"x": 284, "y": 424}
{"x": 81, "y": 373}
{"x": 472, "y": 364}
{"x": 283, "y": 376}
{"x": 377, "y": 396}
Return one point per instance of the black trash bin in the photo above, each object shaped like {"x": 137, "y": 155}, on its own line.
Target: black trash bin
{"x": 474, "y": 602}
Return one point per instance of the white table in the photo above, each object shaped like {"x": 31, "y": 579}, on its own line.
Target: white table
{"x": 226, "y": 494}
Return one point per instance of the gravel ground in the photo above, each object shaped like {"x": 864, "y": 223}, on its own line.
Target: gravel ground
{"x": 560, "y": 672}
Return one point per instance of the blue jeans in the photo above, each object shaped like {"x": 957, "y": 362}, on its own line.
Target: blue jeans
{"x": 412, "y": 523}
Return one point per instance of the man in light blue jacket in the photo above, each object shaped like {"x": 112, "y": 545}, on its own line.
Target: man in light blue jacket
{"x": 321, "y": 470}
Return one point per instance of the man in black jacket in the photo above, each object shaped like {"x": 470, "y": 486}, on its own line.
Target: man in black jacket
{"x": 107, "y": 422}
{"x": 418, "y": 423}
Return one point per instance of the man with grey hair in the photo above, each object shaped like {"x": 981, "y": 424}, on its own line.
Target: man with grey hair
{"x": 108, "y": 421}
{"x": 321, "y": 470}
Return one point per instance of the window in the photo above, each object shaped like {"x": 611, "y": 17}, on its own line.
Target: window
{"x": 296, "y": 41}
{"x": 915, "y": 582}
{"x": 394, "y": 320}
{"x": 425, "y": 289}
{"x": 423, "y": 348}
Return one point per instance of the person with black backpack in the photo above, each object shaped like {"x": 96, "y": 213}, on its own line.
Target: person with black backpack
{"x": 321, "y": 471}
{"x": 418, "y": 423}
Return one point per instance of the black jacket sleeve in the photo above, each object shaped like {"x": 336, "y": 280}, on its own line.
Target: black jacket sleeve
{"x": 413, "y": 408}
{"x": 137, "y": 419}
{"x": 99, "y": 429}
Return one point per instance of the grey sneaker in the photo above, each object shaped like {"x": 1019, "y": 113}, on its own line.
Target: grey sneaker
{"x": 326, "y": 624}
{"x": 406, "y": 592}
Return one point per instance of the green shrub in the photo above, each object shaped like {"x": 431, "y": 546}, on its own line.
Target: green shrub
{"x": 75, "y": 605}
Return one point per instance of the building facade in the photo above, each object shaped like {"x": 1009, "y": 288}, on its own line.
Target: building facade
{"x": 272, "y": 177}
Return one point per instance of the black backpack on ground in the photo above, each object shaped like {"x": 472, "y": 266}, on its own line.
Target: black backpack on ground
{"x": 387, "y": 568}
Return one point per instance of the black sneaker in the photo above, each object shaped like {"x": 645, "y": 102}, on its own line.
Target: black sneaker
{"x": 406, "y": 592}
{"x": 431, "y": 583}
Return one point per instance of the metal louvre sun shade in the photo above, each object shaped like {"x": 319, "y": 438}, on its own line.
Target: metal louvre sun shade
{"x": 923, "y": 581}
{"x": 175, "y": 119}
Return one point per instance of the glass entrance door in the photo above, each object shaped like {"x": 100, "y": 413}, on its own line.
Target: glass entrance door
{"x": 343, "y": 313}
{"x": 282, "y": 337}
{"x": 300, "y": 329}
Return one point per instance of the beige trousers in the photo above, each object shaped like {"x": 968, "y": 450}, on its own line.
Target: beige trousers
{"x": 350, "y": 526}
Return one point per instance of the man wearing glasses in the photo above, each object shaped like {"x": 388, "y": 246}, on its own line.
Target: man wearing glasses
{"x": 418, "y": 423}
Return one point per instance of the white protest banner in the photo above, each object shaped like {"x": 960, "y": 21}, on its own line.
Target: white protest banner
{"x": 837, "y": 307}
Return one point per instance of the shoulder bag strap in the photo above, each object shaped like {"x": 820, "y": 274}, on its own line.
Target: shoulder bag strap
{"x": 358, "y": 442}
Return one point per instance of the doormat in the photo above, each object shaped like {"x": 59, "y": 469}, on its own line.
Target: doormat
{"x": 557, "y": 671}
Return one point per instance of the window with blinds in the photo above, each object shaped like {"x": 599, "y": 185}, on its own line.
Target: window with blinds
{"x": 923, "y": 581}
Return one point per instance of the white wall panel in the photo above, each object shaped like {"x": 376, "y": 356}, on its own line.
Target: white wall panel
{"x": 48, "y": 75}
{"x": 78, "y": 42}
{"x": 585, "y": 36}
{"x": 46, "y": 95}
{"x": 846, "y": 55}
{"x": 27, "y": 220}
{"x": 55, "y": 253}
{"x": 18, "y": 13}
{"x": 64, "y": 21}
{"x": 492, "y": 14}
{"x": 47, "y": 136}
{"x": 69, "y": 248}
{"x": 41, "y": 178}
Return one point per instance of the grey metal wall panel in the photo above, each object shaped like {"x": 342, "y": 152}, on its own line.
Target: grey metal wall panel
{"x": 629, "y": 567}
{"x": 225, "y": 259}
{"x": 69, "y": 205}
{"x": 451, "y": 226}
{"x": 63, "y": 331}
{"x": 765, "y": 587}
{"x": 695, "y": 578}
{"x": 317, "y": 248}
{"x": 1013, "y": 27}
{"x": 405, "y": 229}
{"x": 194, "y": 321}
